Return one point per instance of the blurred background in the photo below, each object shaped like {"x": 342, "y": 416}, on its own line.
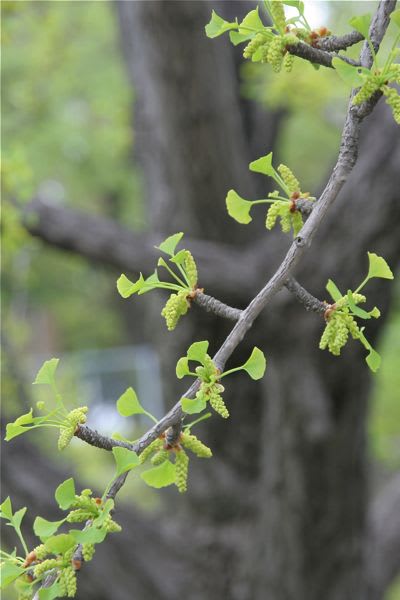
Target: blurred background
{"x": 122, "y": 124}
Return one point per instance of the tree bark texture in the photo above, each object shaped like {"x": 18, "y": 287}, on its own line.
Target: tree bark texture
{"x": 280, "y": 512}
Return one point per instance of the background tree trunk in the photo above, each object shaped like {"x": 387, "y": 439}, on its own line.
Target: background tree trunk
{"x": 280, "y": 511}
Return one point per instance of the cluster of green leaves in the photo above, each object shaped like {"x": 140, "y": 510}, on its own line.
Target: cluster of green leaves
{"x": 170, "y": 460}
{"x": 184, "y": 285}
{"x": 340, "y": 316}
{"x": 268, "y": 44}
{"x": 375, "y": 79}
{"x": 58, "y": 416}
{"x": 210, "y": 388}
{"x": 56, "y": 552}
{"x": 283, "y": 207}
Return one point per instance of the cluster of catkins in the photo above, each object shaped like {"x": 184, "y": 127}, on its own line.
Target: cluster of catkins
{"x": 272, "y": 50}
{"x": 273, "y": 47}
{"x": 162, "y": 450}
{"x": 339, "y": 324}
{"x": 85, "y": 508}
{"x": 210, "y": 390}
{"x": 178, "y": 304}
{"x": 378, "y": 82}
{"x": 67, "y": 430}
{"x": 63, "y": 563}
{"x": 393, "y": 99}
{"x": 290, "y": 217}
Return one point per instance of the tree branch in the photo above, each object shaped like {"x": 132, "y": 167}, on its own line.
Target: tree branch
{"x": 93, "y": 438}
{"x": 315, "y": 55}
{"x": 334, "y": 43}
{"x": 307, "y": 299}
{"x": 110, "y": 243}
{"x": 220, "y": 309}
{"x": 304, "y": 206}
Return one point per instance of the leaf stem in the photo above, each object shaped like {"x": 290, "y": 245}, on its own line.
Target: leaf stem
{"x": 170, "y": 271}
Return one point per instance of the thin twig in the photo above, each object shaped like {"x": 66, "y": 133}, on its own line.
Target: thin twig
{"x": 213, "y": 305}
{"x": 93, "y": 438}
{"x": 307, "y": 299}
{"x": 317, "y": 56}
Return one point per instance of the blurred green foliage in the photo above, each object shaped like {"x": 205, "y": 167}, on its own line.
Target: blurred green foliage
{"x": 67, "y": 106}
{"x": 385, "y": 405}
{"x": 67, "y": 134}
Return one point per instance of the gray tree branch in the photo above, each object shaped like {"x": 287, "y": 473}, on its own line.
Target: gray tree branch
{"x": 334, "y": 43}
{"x": 307, "y": 299}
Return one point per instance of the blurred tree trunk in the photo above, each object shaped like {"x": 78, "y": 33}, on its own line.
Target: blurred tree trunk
{"x": 280, "y": 511}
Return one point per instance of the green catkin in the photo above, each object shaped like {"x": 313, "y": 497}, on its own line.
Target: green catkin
{"x": 352, "y": 326}
{"x": 288, "y": 60}
{"x": 297, "y": 221}
{"x": 371, "y": 85}
{"x": 343, "y": 302}
{"x": 74, "y": 418}
{"x": 68, "y": 576}
{"x": 286, "y": 222}
{"x": 40, "y": 552}
{"x": 272, "y": 214}
{"x": 327, "y": 334}
{"x": 278, "y": 14}
{"x": 78, "y": 516}
{"x": 337, "y": 330}
{"x": 289, "y": 178}
{"x": 192, "y": 443}
{"x": 151, "y": 448}
{"x": 219, "y": 405}
{"x": 88, "y": 552}
{"x": 83, "y": 502}
{"x": 253, "y": 45}
{"x": 66, "y": 435}
{"x": 181, "y": 470}
{"x": 395, "y": 72}
{"x": 111, "y": 526}
{"x": 176, "y": 306}
{"x": 63, "y": 586}
{"x": 78, "y": 415}
{"x": 264, "y": 51}
{"x": 275, "y": 53}
{"x": 393, "y": 100}
{"x": 46, "y": 565}
{"x": 341, "y": 336}
{"x": 190, "y": 269}
{"x": 160, "y": 457}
